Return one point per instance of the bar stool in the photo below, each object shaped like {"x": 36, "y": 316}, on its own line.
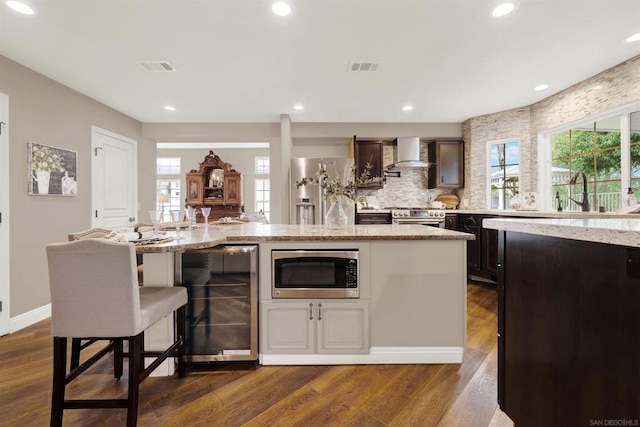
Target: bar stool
{"x": 77, "y": 344}
{"x": 95, "y": 295}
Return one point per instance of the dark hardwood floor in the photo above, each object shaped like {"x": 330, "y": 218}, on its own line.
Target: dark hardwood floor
{"x": 231, "y": 395}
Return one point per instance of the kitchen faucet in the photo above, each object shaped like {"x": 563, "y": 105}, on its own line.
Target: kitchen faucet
{"x": 585, "y": 197}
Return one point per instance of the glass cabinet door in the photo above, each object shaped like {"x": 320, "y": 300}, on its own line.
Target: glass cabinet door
{"x": 222, "y": 307}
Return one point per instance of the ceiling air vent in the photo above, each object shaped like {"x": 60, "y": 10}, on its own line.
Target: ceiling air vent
{"x": 157, "y": 66}
{"x": 364, "y": 66}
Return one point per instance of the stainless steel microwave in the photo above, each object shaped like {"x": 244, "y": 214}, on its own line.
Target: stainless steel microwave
{"x": 315, "y": 273}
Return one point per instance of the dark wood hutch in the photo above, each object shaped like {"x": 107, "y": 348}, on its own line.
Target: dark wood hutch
{"x": 216, "y": 185}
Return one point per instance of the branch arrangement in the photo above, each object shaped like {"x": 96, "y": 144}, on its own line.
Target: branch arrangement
{"x": 334, "y": 187}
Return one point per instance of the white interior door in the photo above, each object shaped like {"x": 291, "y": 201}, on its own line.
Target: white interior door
{"x": 4, "y": 214}
{"x": 114, "y": 184}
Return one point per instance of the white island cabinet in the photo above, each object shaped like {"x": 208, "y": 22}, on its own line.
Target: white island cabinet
{"x": 315, "y": 327}
{"x": 411, "y": 307}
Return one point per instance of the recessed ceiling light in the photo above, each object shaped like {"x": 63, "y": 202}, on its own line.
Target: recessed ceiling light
{"x": 503, "y": 9}
{"x": 407, "y": 108}
{"x": 280, "y": 8}
{"x": 633, "y": 38}
{"x": 170, "y": 108}
{"x": 541, "y": 87}
{"x": 20, "y": 7}
{"x": 298, "y": 107}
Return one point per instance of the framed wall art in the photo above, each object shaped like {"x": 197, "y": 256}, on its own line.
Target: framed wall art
{"x": 52, "y": 170}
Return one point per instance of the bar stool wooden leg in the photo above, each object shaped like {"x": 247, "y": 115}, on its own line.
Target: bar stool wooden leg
{"x": 59, "y": 379}
{"x": 135, "y": 368}
{"x": 76, "y": 345}
{"x": 180, "y": 332}
{"x": 117, "y": 358}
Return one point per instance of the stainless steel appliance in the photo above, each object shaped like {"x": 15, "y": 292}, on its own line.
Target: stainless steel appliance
{"x": 373, "y": 216}
{"x": 222, "y": 309}
{"x": 420, "y": 216}
{"x": 307, "y": 205}
{"x": 315, "y": 273}
{"x": 408, "y": 149}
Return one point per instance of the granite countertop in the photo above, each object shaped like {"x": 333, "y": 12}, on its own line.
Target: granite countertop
{"x": 202, "y": 237}
{"x": 543, "y": 214}
{"x": 617, "y": 231}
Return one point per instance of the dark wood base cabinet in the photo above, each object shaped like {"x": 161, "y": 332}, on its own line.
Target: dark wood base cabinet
{"x": 482, "y": 253}
{"x": 568, "y": 331}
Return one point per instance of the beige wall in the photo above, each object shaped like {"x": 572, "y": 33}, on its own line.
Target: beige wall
{"x": 47, "y": 112}
{"x": 613, "y": 88}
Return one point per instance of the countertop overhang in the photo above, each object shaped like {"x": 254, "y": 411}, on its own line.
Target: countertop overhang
{"x": 544, "y": 214}
{"x": 206, "y": 237}
{"x": 615, "y": 231}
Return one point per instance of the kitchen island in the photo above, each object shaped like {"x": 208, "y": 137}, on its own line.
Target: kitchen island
{"x": 412, "y": 304}
{"x": 568, "y": 320}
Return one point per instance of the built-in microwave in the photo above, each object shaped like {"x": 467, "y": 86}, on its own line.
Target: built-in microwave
{"x": 324, "y": 273}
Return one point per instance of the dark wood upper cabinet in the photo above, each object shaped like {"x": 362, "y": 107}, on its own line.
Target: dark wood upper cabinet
{"x": 369, "y": 152}
{"x": 448, "y": 171}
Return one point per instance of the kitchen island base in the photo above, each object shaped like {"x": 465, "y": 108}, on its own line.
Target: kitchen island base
{"x": 411, "y": 306}
{"x": 569, "y": 331}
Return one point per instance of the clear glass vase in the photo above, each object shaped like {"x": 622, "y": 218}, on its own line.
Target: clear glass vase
{"x": 336, "y": 217}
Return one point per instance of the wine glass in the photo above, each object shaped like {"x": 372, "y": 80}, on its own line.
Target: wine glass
{"x": 205, "y": 214}
{"x": 156, "y": 219}
{"x": 190, "y": 214}
{"x": 177, "y": 217}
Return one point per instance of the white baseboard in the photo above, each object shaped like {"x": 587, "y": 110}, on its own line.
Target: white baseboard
{"x": 23, "y": 320}
{"x": 377, "y": 355}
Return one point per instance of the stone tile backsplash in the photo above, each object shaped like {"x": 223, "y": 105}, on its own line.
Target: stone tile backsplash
{"x": 410, "y": 189}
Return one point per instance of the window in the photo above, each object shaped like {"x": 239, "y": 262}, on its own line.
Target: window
{"x": 262, "y": 186}
{"x": 168, "y": 166}
{"x": 263, "y": 196}
{"x": 595, "y": 150}
{"x": 262, "y": 165}
{"x": 634, "y": 145}
{"x": 168, "y": 186}
{"x": 504, "y": 173}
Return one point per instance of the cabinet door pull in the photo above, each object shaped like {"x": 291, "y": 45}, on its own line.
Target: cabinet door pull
{"x": 310, "y": 311}
{"x": 442, "y": 178}
{"x": 319, "y": 311}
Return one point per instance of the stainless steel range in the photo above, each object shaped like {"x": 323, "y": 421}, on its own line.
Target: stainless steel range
{"x": 420, "y": 216}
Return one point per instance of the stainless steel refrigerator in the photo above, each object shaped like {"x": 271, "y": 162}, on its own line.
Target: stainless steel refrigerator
{"x": 306, "y": 203}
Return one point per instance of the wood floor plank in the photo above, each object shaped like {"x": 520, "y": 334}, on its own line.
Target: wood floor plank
{"x": 351, "y": 395}
{"x": 478, "y": 402}
{"x": 429, "y": 406}
{"x": 391, "y": 398}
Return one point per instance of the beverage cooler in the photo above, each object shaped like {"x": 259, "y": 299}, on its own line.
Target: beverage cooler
{"x": 222, "y": 310}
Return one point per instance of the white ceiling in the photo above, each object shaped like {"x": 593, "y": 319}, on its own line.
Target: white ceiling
{"x": 238, "y": 62}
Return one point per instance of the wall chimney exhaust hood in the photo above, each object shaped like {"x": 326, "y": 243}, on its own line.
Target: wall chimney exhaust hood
{"x": 409, "y": 154}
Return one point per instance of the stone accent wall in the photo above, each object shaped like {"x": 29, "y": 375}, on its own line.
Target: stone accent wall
{"x": 613, "y": 88}
{"x": 511, "y": 125}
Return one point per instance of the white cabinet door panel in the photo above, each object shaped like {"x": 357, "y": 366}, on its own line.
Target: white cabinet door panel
{"x": 288, "y": 327}
{"x": 343, "y": 327}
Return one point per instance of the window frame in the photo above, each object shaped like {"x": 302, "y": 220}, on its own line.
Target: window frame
{"x": 171, "y": 178}
{"x": 545, "y": 159}
{"x": 262, "y": 177}
{"x": 488, "y": 170}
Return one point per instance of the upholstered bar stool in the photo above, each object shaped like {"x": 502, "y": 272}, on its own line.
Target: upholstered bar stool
{"x": 77, "y": 344}
{"x": 95, "y": 295}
